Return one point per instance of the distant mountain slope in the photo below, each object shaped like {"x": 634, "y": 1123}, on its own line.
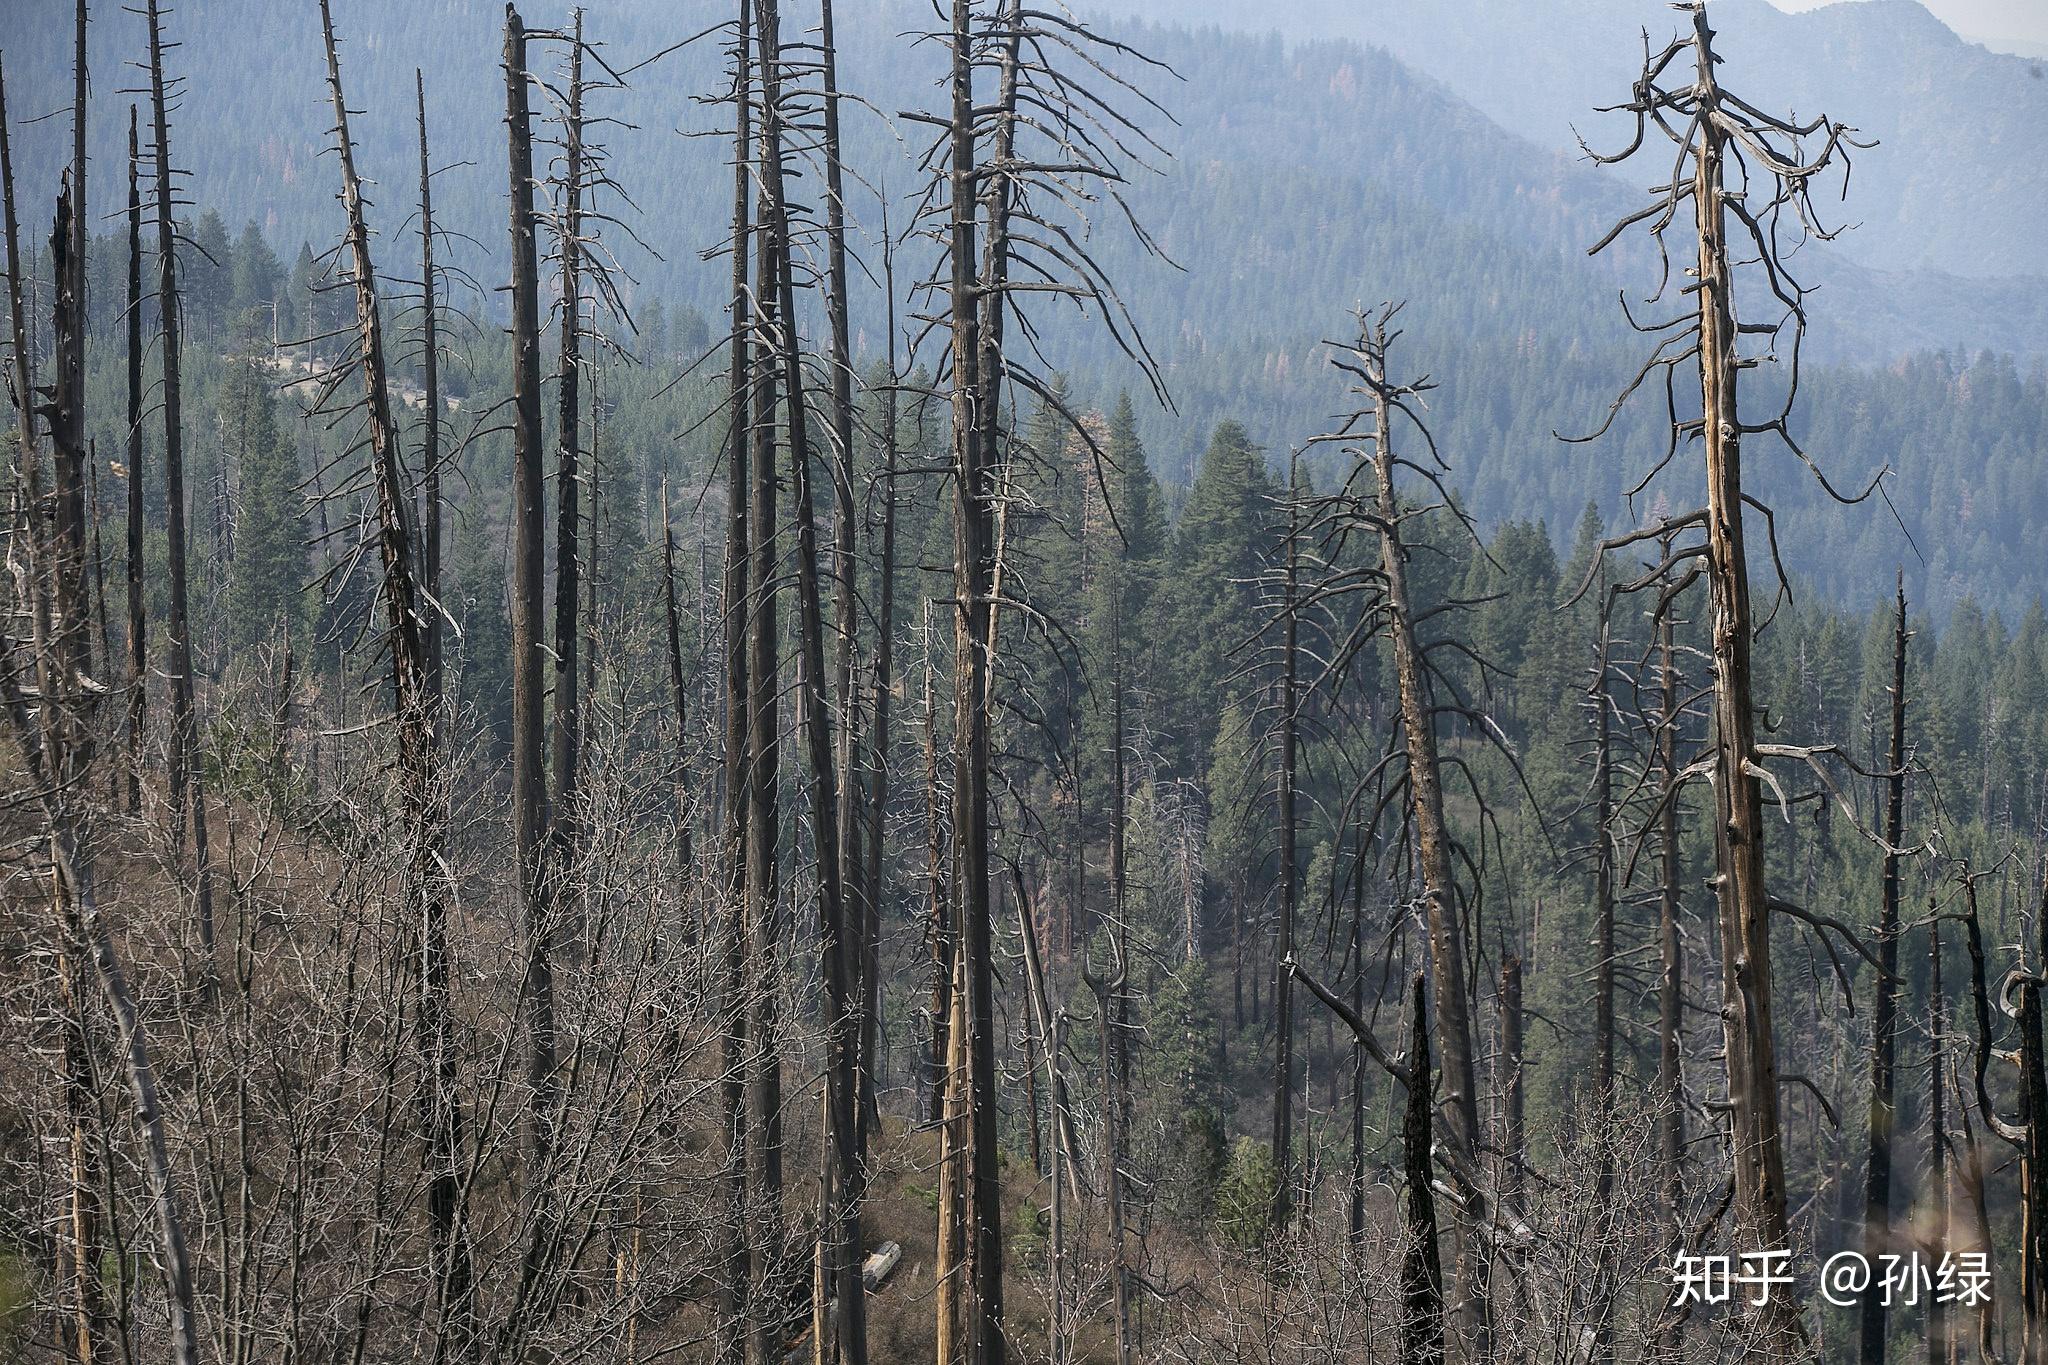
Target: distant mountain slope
{"x": 1300, "y": 179}
{"x": 1954, "y": 184}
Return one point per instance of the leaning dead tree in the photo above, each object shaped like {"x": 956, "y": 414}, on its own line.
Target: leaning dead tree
{"x": 414, "y": 687}
{"x": 1410, "y": 777}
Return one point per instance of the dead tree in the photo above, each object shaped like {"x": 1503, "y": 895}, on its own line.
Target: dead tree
{"x": 419, "y": 757}
{"x": 878, "y": 781}
{"x": 1670, "y": 952}
{"x": 736, "y": 616}
{"x": 138, "y": 642}
{"x": 1877, "y": 1188}
{"x": 430, "y": 421}
{"x": 565, "y": 732}
{"x": 187, "y": 792}
{"x": 1731, "y": 161}
{"x": 1368, "y": 436}
{"x": 840, "y": 1217}
{"x": 529, "y": 793}
{"x": 1283, "y": 945}
{"x": 1422, "y": 1279}
{"x": 2019, "y": 996}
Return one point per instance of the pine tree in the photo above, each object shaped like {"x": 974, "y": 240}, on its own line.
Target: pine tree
{"x": 266, "y": 585}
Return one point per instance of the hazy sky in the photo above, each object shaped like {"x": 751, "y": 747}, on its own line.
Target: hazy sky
{"x": 2017, "y": 21}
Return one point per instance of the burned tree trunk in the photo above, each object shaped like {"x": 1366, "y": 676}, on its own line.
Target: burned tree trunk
{"x": 973, "y": 565}
{"x": 419, "y": 758}
{"x": 764, "y": 1151}
{"x": 733, "y": 976}
{"x": 138, "y": 643}
{"x": 529, "y": 795}
{"x": 564, "y": 736}
{"x": 1671, "y": 961}
{"x": 187, "y": 793}
{"x": 1877, "y": 1188}
{"x": 1458, "y": 1108}
{"x": 430, "y": 424}
{"x": 840, "y": 1218}
{"x": 1283, "y": 944}
{"x": 885, "y": 690}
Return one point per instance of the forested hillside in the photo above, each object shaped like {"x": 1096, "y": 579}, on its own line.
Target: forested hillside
{"x": 952, "y": 683}
{"x": 1324, "y": 172}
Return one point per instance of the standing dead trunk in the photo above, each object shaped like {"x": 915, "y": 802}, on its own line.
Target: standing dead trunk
{"x": 187, "y": 793}
{"x": 565, "y": 734}
{"x": 731, "y": 937}
{"x": 529, "y": 794}
{"x": 1283, "y": 942}
{"x": 1877, "y": 1188}
{"x": 430, "y": 420}
{"x": 840, "y": 1219}
{"x": 974, "y": 488}
{"x": 1458, "y": 1108}
{"x": 885, "y": 690}
{"x": 1671, "y": 963}
{"x": 138, "y": 643}
{"x": 1422, "y": 1273}
{"x": 764, "y": 1152}
{"x": 1739, "y": 887}
{"x": 1940, "y": 1348}
{"x": 418, "y": 754}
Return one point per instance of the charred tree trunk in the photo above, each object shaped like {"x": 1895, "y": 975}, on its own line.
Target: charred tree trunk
{"x": 1671, "y": 963}
{"x": 974, "y": 488}
{"x": 565, "y": 732}
{"x": 1877, "y": 1188}
{"x": 529, "y": 789}
{"x": 1422, "y": 1272}
{"x": 840, "y": 1219}
{"x": 138, "y": 642}
{"x": 419, "y": 757}
{"x": 1458, "y": 1109}
{"x": 1283, "y": 943}
{"x": 188, "y": 796}
{"x": 733, "y": 973}
{"x": 764, "y": 1212}
{"x": 430, "y": 425}
{"x": 885, "y": 689}
{"x": 1939, "y": 1346}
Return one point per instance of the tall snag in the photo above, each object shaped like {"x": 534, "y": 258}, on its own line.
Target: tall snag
{"x": 187, "y": 793}
{"x": 1368, "y": 436}
{"x": 840, "y": 1217}
{"x": 1877, "y": 1187}
{"x": 529, "y": 796}
{"x": 138, "y": 643}
{"x": 419, "y": 758}
{"x": 1719, "y": 138}
{"x": 736, "y": 615}
{"x": 565, "y": 723}
{"x": 430, "y": 418}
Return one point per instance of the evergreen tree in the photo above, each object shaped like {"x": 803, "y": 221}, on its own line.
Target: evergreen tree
{"x": 267, "y": 580}
{"x": 1207, "y": 603}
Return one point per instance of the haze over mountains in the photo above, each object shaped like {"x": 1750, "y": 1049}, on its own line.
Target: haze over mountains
{"x": 1369, "y": 149}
